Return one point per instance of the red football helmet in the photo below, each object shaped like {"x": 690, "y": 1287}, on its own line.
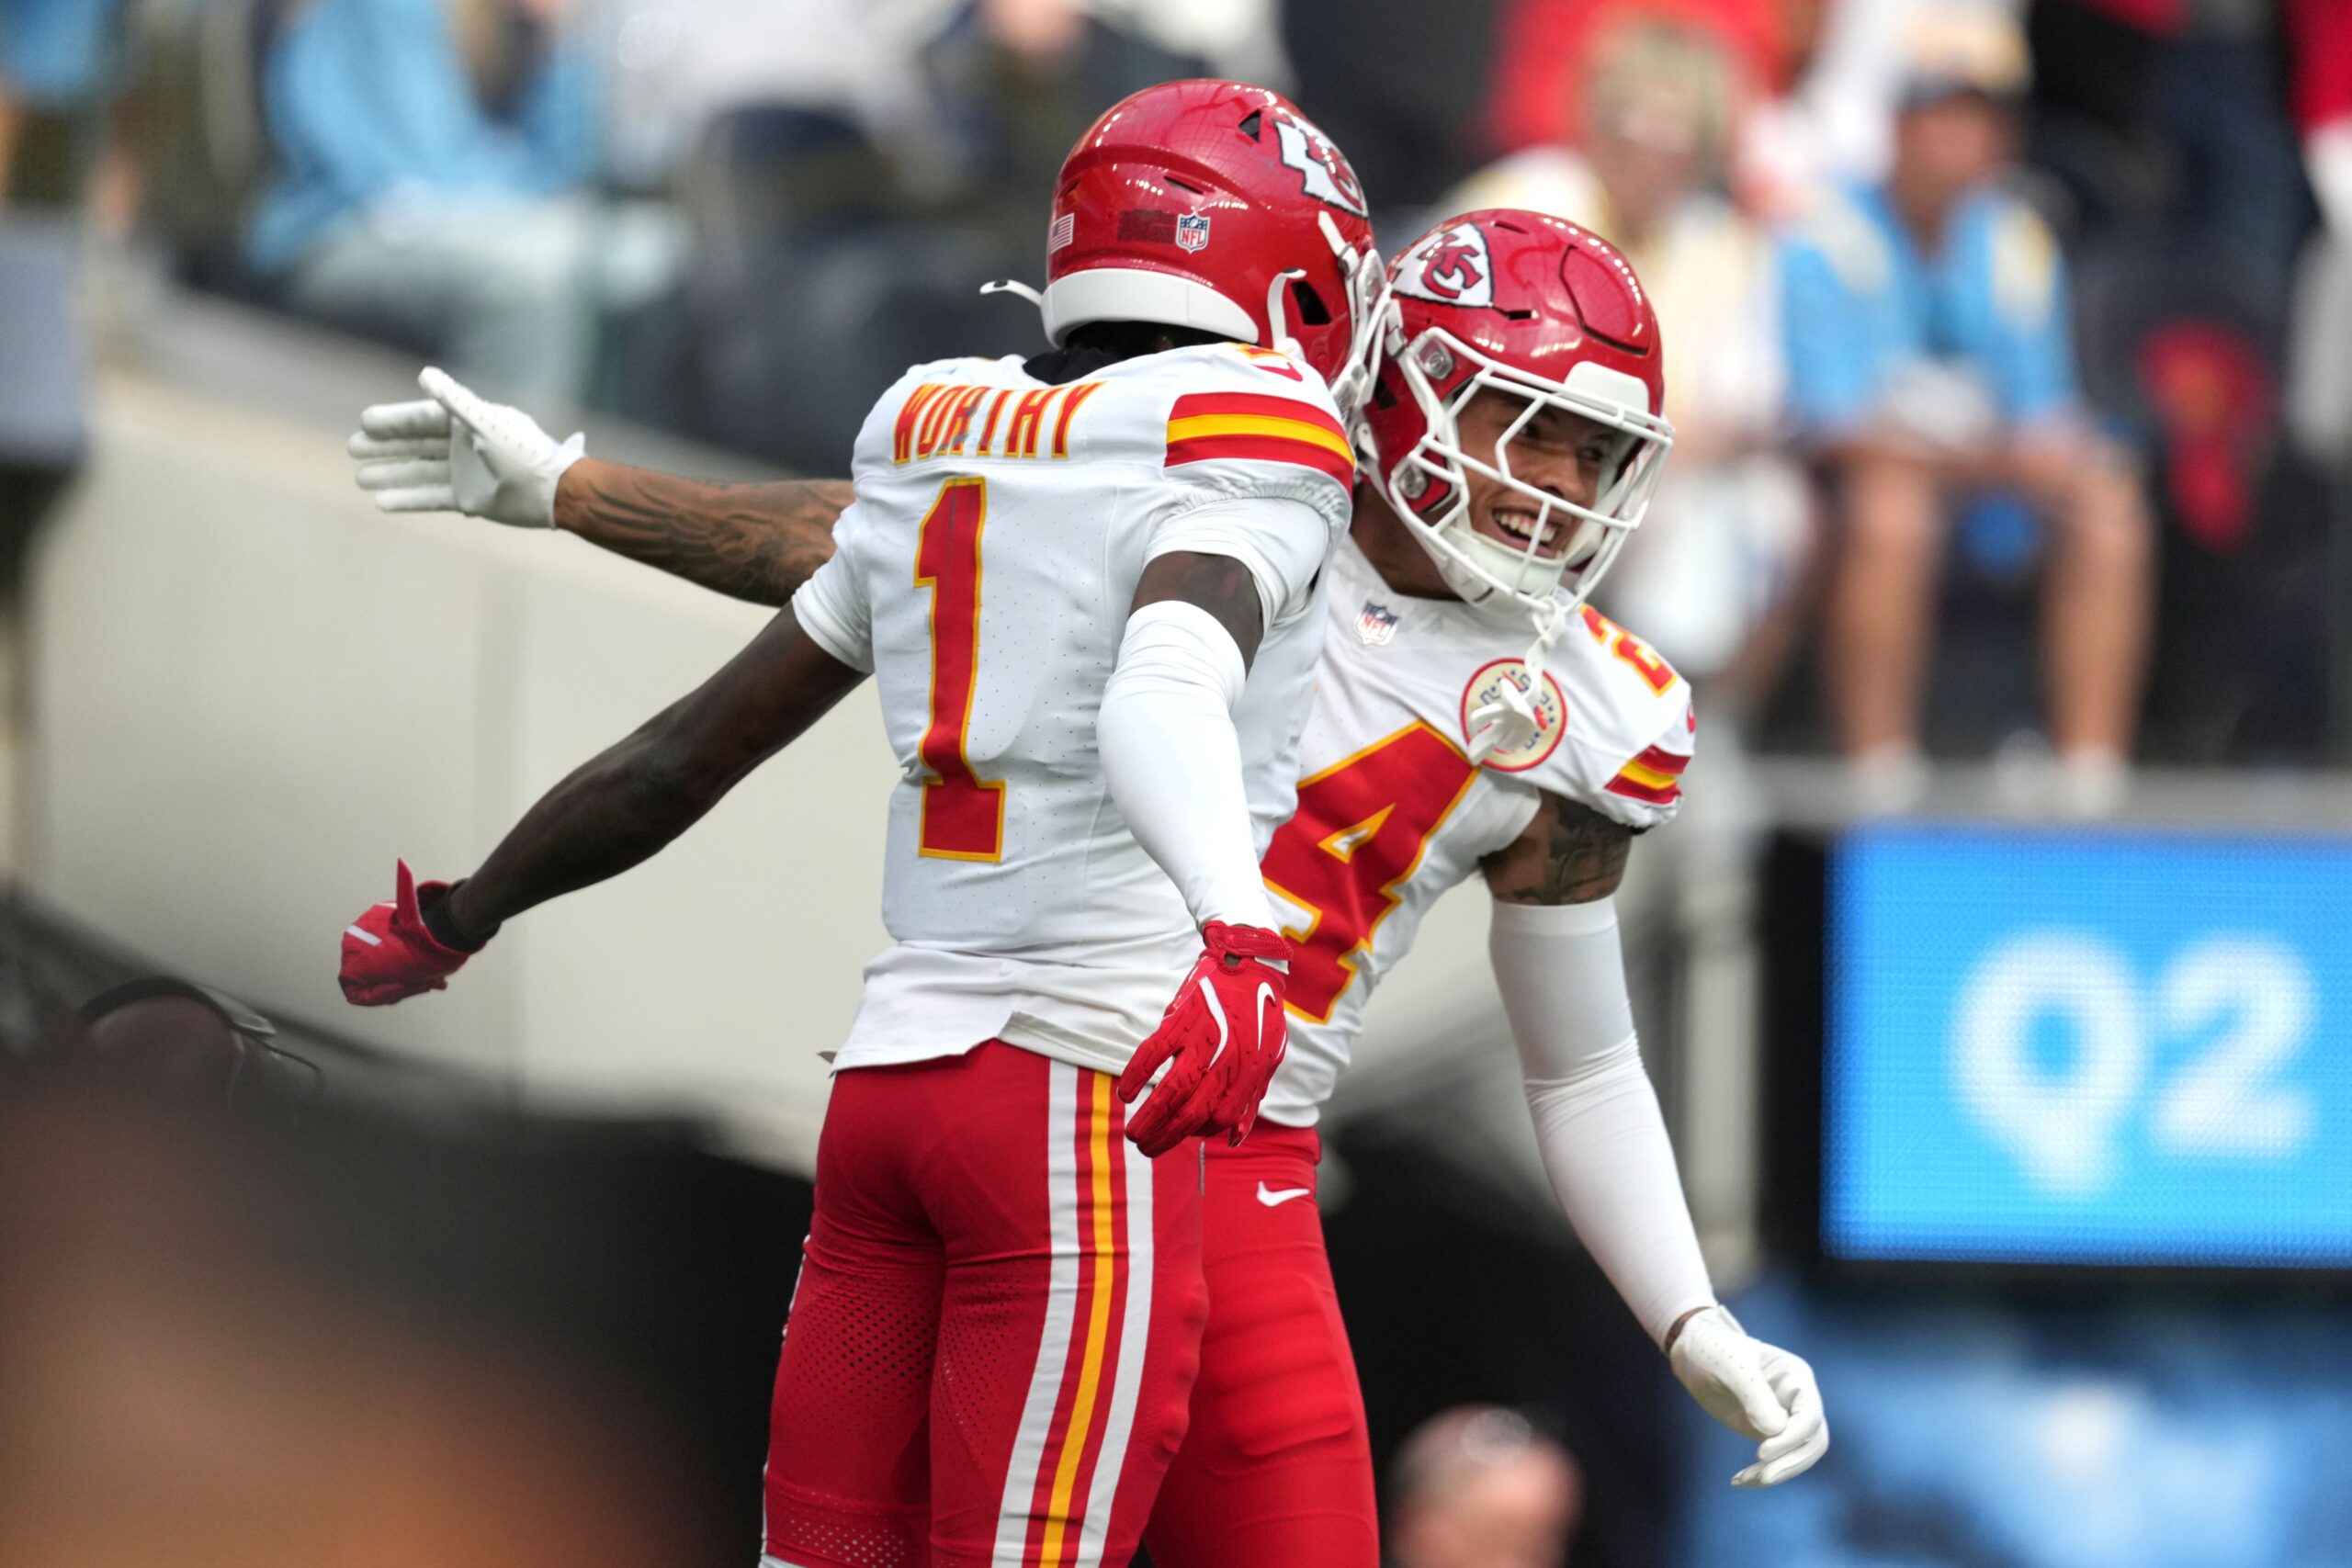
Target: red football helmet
{"x": 1216, "y": 206}
{"x": 1549, "y": 314}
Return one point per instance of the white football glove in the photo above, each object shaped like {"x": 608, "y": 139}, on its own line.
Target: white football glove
{"x": 454, "y": 452}
{"x": 1509, "y": 723}
{"x": 1762, "y": 1393}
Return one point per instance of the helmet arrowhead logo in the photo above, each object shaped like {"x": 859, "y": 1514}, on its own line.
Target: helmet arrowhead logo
{"x": 1450, "y": 267}
{"x": 1325, "y": 174}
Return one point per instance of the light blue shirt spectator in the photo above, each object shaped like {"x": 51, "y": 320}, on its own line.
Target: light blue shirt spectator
{"x": 56, "y": 54}
{"x": 1861, "y": 308}
{"x": 368, "y": 103}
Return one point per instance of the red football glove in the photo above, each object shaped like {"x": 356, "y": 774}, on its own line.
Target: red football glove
{"x": 387, "y": 953}
{"x": 1223, "y": 1033}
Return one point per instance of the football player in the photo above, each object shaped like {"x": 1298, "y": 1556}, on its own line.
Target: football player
{"x": 1472, "y": 716}
{"x": 1083, "y": 587}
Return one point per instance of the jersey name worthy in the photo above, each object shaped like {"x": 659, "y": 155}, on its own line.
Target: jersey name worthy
{"x": 984, "y": 573}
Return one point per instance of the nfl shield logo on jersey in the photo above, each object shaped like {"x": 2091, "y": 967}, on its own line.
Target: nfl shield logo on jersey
{"x": 1192, "y": 231}
{"x": 1376, "y": 624}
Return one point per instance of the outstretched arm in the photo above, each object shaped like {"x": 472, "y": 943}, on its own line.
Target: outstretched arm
{"x": 1561, "y": 972}
{"x": 624, "y": 804}
{"x": 609, "y": 815}
{"x": 758, "y": 542}
{"x": 456, "y": 451}
{"x": 602, "y": 819}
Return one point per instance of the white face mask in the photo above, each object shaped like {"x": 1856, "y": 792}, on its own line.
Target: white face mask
{"x": 1564, "y": 537}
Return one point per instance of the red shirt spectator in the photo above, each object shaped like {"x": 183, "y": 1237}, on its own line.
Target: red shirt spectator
{"x": 2161, "y": 17}
{"x": 2319, "y": 46}
{"x": 1541, "y": 46}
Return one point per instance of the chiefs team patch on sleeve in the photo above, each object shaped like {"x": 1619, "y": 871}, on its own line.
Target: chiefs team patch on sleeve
{"x": 1253, "y": 427}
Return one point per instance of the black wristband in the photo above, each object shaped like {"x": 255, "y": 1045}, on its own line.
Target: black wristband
{"x": 443, "y": 926}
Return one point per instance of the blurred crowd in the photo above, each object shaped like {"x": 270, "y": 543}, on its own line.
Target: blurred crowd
{"x": 2001, "y": 334}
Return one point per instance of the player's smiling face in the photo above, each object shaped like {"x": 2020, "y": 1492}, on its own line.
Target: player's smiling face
{"x": 1560, "y": 453}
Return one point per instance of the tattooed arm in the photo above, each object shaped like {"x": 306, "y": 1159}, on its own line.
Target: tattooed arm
{"x": 1569, "y": 854}
{"x": 758, "y": 542}
{"x": 453, "y": 450}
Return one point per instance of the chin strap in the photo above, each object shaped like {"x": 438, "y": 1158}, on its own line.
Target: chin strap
{"x": 1512, "y": 722}
{"x": 1015, "y": 286}
{"x": 1277, "y": 319}
{"x": 1367, "y": 300}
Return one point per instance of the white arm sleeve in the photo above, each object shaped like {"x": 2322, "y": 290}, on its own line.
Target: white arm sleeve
{"x": 1282, "y": 541}
{"x": 1562, "y": 981}
{"x": 1173, "y": 762}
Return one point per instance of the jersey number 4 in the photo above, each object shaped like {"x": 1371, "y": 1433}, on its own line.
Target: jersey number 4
{"x": 963, "y": 813}
{"x": 1362, "y": 827}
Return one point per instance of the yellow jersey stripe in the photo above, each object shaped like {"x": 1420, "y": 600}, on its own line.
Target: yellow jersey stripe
{"x": 1207, "y": 424}
{"x": 1648, "y": 777}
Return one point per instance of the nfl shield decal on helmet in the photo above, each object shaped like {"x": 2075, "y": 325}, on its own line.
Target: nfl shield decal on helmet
{"x": 1192, "y": 231}
{"x": 1551, "y": 714}
{"x": 1452, "y": 266}
{"x": 1376, "y": 624}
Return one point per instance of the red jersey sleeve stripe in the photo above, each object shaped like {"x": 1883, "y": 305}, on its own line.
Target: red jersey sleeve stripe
{"x": 1659, "y": 760}
{"x": 1262, "y": 449}
{"x": 1195, "y": 405}
{"x": 1634, "y": 789}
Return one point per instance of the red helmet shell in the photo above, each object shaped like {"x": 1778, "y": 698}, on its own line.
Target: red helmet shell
{"x": 1536, "y": 310}
{"x": 1186, "y": 203}
{"x": 1537, "y": 294}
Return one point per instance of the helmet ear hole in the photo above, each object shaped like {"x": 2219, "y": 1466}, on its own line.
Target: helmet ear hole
{"x": 1307, "y": 305}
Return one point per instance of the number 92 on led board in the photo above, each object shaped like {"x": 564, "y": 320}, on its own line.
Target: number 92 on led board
{"x": 2126, "y": 1048}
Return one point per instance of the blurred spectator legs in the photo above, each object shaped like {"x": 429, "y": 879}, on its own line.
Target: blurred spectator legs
{"x": 2319, "y": 373}
{"x": 2095, "y": 615}
{"x": 1881, "y": 608}
{"x": 512, "y": 292}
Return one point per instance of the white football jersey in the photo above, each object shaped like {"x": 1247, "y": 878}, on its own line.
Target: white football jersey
{"x": 985, "y": 574}
{"x": 1390, "y": 811}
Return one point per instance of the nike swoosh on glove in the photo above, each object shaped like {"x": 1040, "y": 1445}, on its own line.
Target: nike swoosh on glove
{"x": 387, "y": 953}
{"x": 1760, "y": 1390}
{"x": 1222, "y": 1039}
{"x": 456, "y": 451}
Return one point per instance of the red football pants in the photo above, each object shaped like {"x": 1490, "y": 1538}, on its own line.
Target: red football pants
{"x": 1276, "y": 1471}
{"x": 995, "y": 1335}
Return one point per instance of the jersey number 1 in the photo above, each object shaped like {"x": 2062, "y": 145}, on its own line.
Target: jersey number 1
{"x": 963, "y": 815}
